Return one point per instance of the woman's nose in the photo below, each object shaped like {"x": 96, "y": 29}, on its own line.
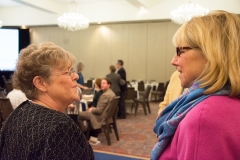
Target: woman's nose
{"x": 75, "y": 76}
{"x": 174, "y": 60}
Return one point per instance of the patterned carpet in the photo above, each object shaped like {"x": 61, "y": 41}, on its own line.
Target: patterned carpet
{"x": 136, "y": 134}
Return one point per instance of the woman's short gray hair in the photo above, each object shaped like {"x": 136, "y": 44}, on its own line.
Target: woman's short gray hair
{"x": 37, "y": 61}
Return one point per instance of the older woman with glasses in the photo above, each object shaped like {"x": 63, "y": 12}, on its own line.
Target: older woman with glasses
{"x": 38, "y": 129}
{"x": 203, "y": 123}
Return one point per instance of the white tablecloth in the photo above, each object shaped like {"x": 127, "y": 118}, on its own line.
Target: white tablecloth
{"x": 152, "y": 84}
{"x": 79, "y": 107}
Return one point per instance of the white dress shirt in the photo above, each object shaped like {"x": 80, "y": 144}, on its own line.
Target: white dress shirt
{"x": 16, "y": 97}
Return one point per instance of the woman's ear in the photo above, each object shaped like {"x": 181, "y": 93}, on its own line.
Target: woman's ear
{"x": 39, "y": 83}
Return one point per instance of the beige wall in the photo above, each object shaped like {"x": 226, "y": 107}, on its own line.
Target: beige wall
{"x": 145, "y": 48}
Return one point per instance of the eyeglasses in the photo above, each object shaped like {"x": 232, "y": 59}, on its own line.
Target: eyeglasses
{"x": 178, "y": 50}
{"x": 70, "y": 72}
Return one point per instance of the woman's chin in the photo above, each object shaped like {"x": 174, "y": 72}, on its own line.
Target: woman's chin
{"x": 76, "y": 98}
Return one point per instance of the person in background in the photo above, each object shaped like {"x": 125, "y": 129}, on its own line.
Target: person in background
{"x": 115, "y": 80}
{"x": 96, "y": 114}
{"x": 73, "y": 109}
{"x": 16, "y": 96}
{"x": 174, "y": 90}
{"x": 122, "y": 108}
{"x": 80, "y": 81}
{"x": 97, "y": 94}
{"x": 203, "y": 123}
{"x": 38, "y": 129}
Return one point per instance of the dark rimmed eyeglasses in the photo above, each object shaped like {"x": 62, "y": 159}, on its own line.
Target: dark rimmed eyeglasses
{"x": 178, "y": 50}
{"x": 70, "y": 72}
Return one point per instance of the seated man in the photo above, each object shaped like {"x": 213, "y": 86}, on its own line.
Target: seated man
{"x": 96, "y": 114}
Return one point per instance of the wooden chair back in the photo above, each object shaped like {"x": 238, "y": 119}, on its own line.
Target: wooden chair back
{"x": 147, "y": 92}
{"x": 130, "y": 94}
{"x": 141, "y": 86}
{"x": 2, "y": 94}
{"x": 112, "y": 109}
{"x": 160, "y": 87}
{"x": 5, "y": 108}
{"x": 89, "y": 83}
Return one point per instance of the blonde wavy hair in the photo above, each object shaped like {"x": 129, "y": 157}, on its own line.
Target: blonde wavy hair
{"x": 217, "y": 36}
{"x": 37, "y": 61}
{"x": 79, "y": 67}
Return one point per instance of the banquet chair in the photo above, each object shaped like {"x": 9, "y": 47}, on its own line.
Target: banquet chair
{"x": 130, "y": 95}
{"x": 2, "y": 94}
{"x": 165, "y": 88}
{"x": 128, "y": 84}
{"x": 158, "y": 94}
{"x": 4, "y": 78}
{"x": 141, "y": 88}
{"x": 8, "y": 84}
{"x": 143, "y": 101}
{"x": 5, "y": 108}
{"x": 89, "y": 83}
{"x": 110, "y": 121}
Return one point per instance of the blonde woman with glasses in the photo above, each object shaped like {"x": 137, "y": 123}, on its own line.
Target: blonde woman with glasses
{"x": 203, "y": 123}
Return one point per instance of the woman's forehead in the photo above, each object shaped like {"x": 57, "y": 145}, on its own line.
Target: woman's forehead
{"x": 62, "y": 66}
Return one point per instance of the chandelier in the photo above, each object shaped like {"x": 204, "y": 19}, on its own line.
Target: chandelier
{"x": 0, "y": 24}
{"x": 72, "y": 20}
{"x": 185, "y": 12}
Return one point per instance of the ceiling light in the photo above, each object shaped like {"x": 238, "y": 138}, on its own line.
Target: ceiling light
{"x": 72, "y": 20}
{"x": 23, "y": 27}
{"x": 185, "y": 12}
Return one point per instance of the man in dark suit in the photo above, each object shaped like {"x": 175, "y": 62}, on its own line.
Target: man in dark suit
{"x": 115, "y": 80}
{"x": 96, "y": 115}
{"x": 122, "y": 73}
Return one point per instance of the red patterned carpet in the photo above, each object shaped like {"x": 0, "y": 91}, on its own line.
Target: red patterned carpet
{"x": 136, "y": 134}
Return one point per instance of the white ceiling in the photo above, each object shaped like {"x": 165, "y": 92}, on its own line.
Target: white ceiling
{"x": 9, "y": 3}
{"x": 81, "y": 1}
{"x": 46, "y": 12}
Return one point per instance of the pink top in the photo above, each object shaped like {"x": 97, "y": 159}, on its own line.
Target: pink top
{"x": 210, "y": 131}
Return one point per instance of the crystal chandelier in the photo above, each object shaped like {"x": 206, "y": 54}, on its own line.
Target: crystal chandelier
{"x": 0, "y": 24}
{"x": 72, "y": 20}
{"x": 185, "y": 12}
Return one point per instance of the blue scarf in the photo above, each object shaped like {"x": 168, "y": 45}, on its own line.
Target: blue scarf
{"x": 168, "y": 121}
